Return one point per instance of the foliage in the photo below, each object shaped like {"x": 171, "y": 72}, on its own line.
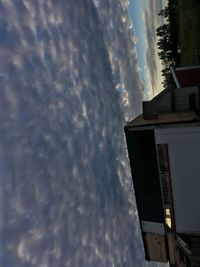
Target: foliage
{"x": 168, "y": 43}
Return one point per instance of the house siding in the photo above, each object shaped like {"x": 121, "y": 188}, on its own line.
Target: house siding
{"x": 184, "y": 158}
{"x": 163, "y": 104}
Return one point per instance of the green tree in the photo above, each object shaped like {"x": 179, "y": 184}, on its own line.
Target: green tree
{"x": 167, "y": 40}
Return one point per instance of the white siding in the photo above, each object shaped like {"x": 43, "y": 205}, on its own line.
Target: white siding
{"x": 182, "y": 97}
{"x": 163, "y": 104}
{"x": 184, "y": 158}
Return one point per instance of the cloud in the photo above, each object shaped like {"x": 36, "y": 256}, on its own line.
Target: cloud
{"x": 151, "y": 50}
{"x": 152, "y": 59}
{"x": 65, "y": 185}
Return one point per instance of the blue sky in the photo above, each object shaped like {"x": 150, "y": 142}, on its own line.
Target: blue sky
{"x": 145, "y": 21}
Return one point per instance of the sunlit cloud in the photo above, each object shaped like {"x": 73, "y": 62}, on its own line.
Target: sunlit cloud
{"x": 152, "y": 60}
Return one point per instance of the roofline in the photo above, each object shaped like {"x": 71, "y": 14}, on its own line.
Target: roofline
{"x": 175, "y": 78}
{"x": 158, "y": 96}
{"x": 188, "y": 68}
{"x": 160, "y": 124}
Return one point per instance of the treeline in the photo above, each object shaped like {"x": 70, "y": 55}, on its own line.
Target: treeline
{"x": 168, "y": 41}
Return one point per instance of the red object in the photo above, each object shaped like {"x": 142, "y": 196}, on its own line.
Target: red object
{"x": 187, "y": 77}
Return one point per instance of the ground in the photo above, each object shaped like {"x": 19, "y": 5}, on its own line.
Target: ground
{"x": 189, "y": 31}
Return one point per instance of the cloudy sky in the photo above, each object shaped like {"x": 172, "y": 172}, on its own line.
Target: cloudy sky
{"x": 69, "y": 81}
{"x": 144, "y": 15}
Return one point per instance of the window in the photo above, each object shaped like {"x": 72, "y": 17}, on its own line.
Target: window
{"x": 168, "y": 222}
{"x": 167, "y": 212}
{"x": 165, "y": 182}
{"x": 168, "y": 219}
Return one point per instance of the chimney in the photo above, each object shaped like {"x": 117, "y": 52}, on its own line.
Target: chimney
{"x": 149, "y": 110}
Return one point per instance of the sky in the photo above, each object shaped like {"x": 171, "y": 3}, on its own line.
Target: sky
{"x": 69, "y": 82}
{"x": 145, "y": 19}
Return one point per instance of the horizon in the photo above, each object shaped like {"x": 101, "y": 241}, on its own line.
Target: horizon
{"x": 144, "y": 16}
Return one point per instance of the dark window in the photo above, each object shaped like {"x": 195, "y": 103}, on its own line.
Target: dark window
{"x": 164, "y": 171}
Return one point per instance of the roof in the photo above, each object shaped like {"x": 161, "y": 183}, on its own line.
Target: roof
{"x": 145, "y": 174}
{"x": 164, "y": 119}
{"x": 186, "y": 76}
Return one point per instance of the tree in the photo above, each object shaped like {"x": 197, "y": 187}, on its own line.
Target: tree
{"x": 164, "y": 12}
{"x": 167, "y": 41}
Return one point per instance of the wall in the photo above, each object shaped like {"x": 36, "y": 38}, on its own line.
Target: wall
{"x": 163, "y": 104}
{"x": 184, "y": 149}
{"x": 156, "y": 247}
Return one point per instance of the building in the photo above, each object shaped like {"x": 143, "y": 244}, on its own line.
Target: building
{"x": 164, "y": 152}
